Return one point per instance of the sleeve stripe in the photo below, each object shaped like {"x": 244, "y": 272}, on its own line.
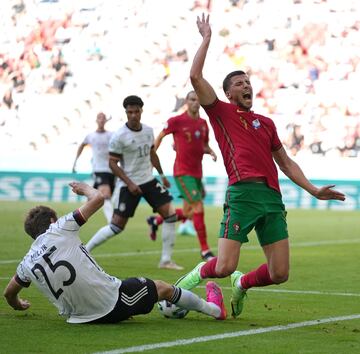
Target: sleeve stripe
{"x": 79, "y": 217}
{"x": 21, "y": 282}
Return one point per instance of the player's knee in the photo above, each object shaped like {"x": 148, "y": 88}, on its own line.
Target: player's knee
{"x": 163, "y": 289}
{"x": 279, "y": 276}
{"x": 224, "y": 270}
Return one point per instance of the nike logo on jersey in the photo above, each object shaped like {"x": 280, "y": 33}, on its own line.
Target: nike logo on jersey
{"x": 242, "y": 120}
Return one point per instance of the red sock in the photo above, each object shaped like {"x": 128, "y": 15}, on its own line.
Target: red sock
{"x": 257, "y": 277}
{"x": 208, "y": 269}
{"x": 180, "y": 215}
{"x": 199, "y": 225}
{"x": 159, "y": 219}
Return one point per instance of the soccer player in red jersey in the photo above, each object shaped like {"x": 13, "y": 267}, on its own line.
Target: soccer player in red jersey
{"x": 191, "y": 139}
{"x": 250, "y": 147}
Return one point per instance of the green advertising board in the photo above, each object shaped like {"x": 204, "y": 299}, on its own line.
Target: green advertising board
{"x": 44, "y": 187}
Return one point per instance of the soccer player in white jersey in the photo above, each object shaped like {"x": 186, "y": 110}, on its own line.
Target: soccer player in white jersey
{"x": 59, "y": 265}
{"x": 132, "y": 158}
{"x": 104, "y": 180}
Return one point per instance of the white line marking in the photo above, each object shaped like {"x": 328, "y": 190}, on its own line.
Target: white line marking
{"x": 195, "y": 250}
{"x": 142, "y": 348}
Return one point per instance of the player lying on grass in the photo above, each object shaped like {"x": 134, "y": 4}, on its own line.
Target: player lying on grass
{"x": 70, "y": 278}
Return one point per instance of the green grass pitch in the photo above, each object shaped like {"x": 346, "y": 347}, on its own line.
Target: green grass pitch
{"x": 324, "y": 284}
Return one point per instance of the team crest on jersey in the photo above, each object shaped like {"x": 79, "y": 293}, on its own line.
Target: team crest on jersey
{"x": 122, "y": 207}
{"x": 236, "y": 227}
{"x": 197, "y": 134}
{"x": 256, "y": 124}
{"x": 141, "y": 280}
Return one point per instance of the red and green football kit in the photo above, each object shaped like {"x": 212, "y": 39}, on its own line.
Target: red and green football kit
{"x": 190, "y": 136}
{"x": 246, "y": 141}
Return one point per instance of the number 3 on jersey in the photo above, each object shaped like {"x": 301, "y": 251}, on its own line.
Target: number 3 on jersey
{"x": 53, "y": 268}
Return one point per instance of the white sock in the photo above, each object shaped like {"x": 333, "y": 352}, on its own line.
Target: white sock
{"x": 168, "y": 241}
{"x": 108, "y": 210}
{"x": 191, "y": 301}
{"x": 100, "y": 237}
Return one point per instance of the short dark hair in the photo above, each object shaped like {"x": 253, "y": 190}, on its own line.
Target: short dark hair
{"x": 227, "y": 80}
{"x": 38, "y": 220}
{"x": 133, "y": 101}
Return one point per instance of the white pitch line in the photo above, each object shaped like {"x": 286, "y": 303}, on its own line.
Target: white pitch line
{"x": 145, "y": 347}
{"x": 195, "y": 250}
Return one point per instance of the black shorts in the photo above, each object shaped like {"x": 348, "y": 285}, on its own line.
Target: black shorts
{"x": 101, "y": 178}
{"x": 153, "y": 192}
{"x": 137, "y": 296}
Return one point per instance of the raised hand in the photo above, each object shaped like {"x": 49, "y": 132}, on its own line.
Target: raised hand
{"x": 326, "y": 193}
{"x": 79, "y": 188}
{"x": 204, "y": 26}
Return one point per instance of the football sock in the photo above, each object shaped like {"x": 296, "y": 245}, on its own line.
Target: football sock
{"x": 257, "y": 277}
{"x": 108, "y": 209}
{"x": 102, "y": 235}
{"x": 168, "y": 241}
{"x": 180, "y": 214}
{"x": 199, "y": 225}
{"x": 179, "y": 217}
{"x": 159, "y": 219}
{"x": 190, "y": 301}
{"x": 208, "y": 269}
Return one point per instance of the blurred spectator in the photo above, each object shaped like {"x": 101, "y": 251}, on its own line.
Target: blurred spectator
{"x": 308, "y": 83}
{"x": 8, "y": 101}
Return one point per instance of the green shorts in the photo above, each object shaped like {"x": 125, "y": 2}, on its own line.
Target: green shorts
{"x": 253, "y": 205}
{"x": 190, "y": 188}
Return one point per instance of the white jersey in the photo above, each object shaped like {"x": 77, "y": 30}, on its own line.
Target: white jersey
{"x": 67, "y": 275}
{"x": 99, "y": 142}
{"x": 134, "y": 146}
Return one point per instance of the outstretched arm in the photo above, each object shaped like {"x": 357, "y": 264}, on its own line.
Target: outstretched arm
{"x": 159, "y": 139}
{"x": 11, "y": 295}
{"x": 203, "y": 89}
{"x": 78, "y": 153}
{"x": 294, "y": 172}
{"x": 95, "y": 199}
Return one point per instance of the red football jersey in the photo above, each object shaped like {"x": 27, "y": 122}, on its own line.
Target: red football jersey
{"x": 190, "y": 136}
{"x": 246, "y": 141}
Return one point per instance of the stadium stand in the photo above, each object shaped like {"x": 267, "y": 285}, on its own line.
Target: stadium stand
{"x": 60, "y": 61}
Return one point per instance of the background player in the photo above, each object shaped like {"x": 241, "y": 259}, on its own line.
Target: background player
{"x": 132, "y": 158}
{"x": 70, "y": 278}
{"x": 104, "y": 178}
{"x": 191, "y": 142}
